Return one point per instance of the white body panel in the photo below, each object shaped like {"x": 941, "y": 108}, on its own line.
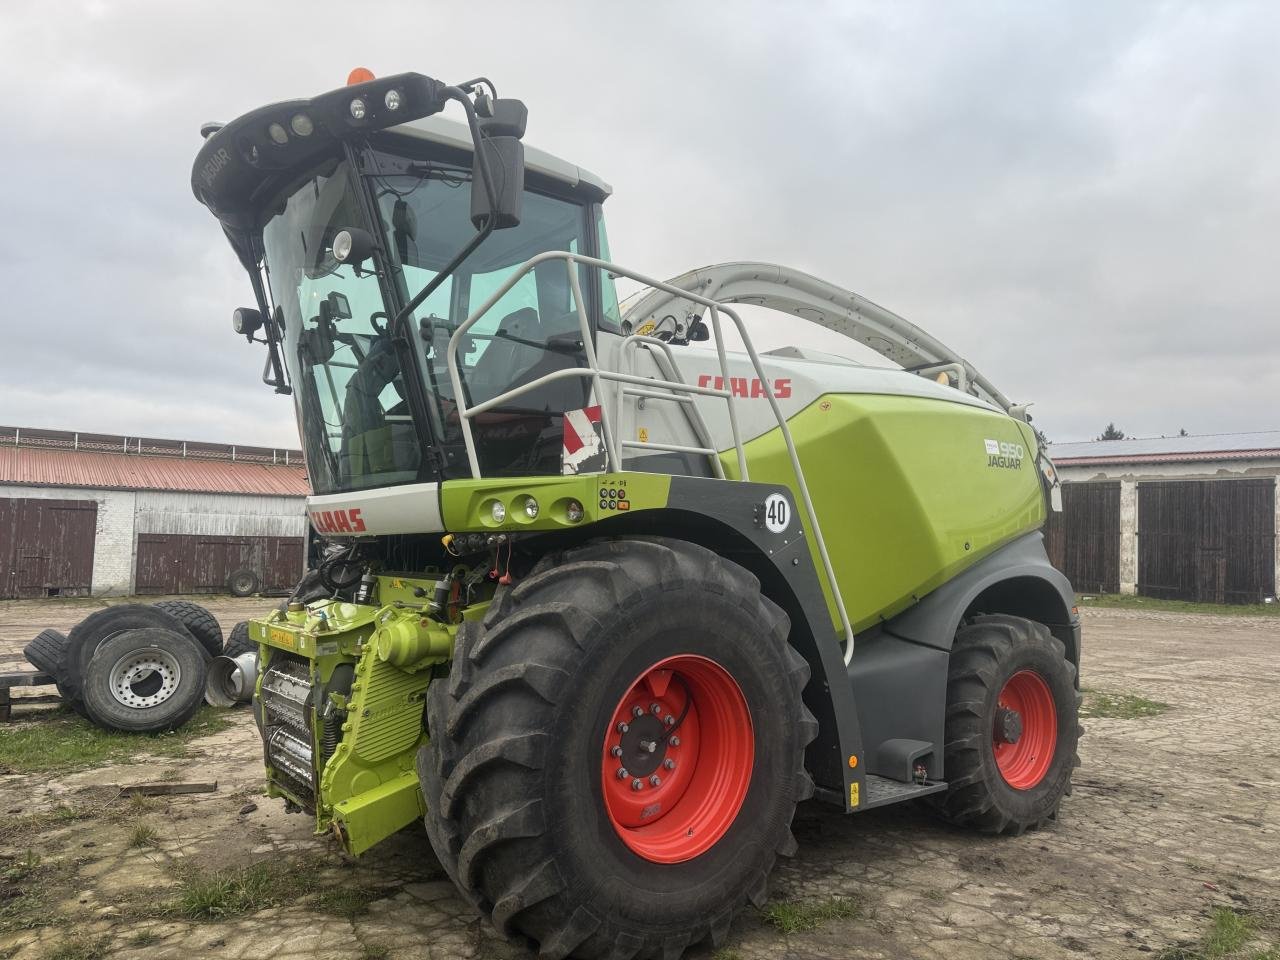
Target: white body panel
{"x": 411, "y": 508}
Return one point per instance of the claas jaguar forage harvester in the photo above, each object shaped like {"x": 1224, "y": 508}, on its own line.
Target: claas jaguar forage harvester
{"x": 607, "y": 591}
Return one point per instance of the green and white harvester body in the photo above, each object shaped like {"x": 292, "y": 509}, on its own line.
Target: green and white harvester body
{"x": 605, "y": 592}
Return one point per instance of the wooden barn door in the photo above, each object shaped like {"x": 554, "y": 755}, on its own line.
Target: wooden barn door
{"x": 1208, "y": 541}
{"x": 46, "y": 547}
{"x": 1084, "y": 540}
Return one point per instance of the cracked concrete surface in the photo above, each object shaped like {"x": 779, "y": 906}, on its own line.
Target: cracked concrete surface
{"x": 1172, "y": 815}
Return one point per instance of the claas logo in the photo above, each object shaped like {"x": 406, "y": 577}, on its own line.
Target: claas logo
{"x": 747, "y": 387}
{"x": 338, "y": 521}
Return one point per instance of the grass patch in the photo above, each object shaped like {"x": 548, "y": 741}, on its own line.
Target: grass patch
{"x": 145, "y": 938}
{"x": 27, "y": 885}
{"x": 1119, "y": 706}
{"x": 1228, "y": 933}
{"x": 64, "y": 741}
{"x": 22, "y": 825}
{"x": 348, "y": 902}
{"x": 795, "y": 916}
{"x": 79, "y": 948}
{"x": 374, "y": 951}
{"x": 1126, "y": 602}
{"x": 143, "y": 835}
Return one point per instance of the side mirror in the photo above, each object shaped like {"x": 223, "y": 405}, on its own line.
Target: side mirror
{"x": 501, "y": 128}
{"x": 352, "y": 245}
{"x": 697, "y": 332}
{"x": 246, "y": 321}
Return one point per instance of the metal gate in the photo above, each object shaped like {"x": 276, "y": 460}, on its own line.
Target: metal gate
{"x": 1083, "y": 540}
{"x": 46, "y": 547}
{"x": 190, "y": 563}
{"x": 1210, "y": 541}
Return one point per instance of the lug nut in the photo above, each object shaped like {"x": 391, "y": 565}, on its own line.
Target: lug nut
{"x": 622, "y": 773}
{"x": 669, "y": 720}
{"x": 669, "y": 763}
{"x": 637, "y": 712}
{"x": 637, "y": 784}
{"x": 615, "y": 752}
{"x": 656, "y": 708}
{"x": 674, "y": 741}
{"x": 623, "y": 728}
{"x": 655, "y": 780}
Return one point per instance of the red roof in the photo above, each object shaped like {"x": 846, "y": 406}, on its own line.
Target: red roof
{"x": 130, "y": 471}
{"x": 1197, "y": 457}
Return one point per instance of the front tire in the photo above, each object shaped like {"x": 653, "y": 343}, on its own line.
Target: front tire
{"x": 1012, "y": 726}
{"x": 526, "y": 809}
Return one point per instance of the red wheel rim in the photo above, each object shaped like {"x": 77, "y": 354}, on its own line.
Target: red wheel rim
{"x": 677, "y": 759}
{"x": 1025, "y": 730}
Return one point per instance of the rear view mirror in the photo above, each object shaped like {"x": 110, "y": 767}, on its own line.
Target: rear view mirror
{"x": 501, "y": 128}
{"x": 697, "y": 332}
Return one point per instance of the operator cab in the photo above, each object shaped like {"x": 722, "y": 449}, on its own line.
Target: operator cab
{"x": 343, "y": 237}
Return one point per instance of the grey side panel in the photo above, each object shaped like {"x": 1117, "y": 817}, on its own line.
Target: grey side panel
{"x": 1035, "y": 589}
{"x": 901, "y": 693}
{"x": 788, "y": 577}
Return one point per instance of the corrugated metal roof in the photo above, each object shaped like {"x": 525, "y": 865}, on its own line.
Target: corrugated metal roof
{"x": 1217, "y": 446}
{"x": 34, "y": 466}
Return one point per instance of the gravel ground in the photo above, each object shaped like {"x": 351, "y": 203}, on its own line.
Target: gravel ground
{"x": 1171, "y": 818}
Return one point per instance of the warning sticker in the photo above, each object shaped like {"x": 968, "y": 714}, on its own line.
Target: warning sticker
{"x": 644, "y": 434}
{"x": 854, "y": 799}
{"x": 583, "y": 450}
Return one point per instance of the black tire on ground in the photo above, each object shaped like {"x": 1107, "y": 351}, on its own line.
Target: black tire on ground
{"x": 238, "y": 641}
{"x": 513, "y": 774}
{"x": 84, "y": 637}
{"x": 243, "y": 583}
{"x": 47, "y": 652}
{"x": 169, "y": 670}
{"x": 986, "y": 654}
{"x": 200, "y": 623}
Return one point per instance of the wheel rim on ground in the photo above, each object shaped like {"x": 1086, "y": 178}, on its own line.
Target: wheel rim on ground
{"x": 1025, "y": 730}
{"x": 677, "y": 761}
{"x": 144, "y": 678}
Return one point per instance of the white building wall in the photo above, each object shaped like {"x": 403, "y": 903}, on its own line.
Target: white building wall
{"x": 113, "y": 550}
{"x": 123, "y": 514}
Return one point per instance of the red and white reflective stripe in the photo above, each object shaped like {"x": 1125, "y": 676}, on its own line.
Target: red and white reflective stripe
{"x": 579, "y": 428}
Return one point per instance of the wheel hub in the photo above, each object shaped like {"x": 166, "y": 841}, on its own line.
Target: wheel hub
{"x": 144, "y": 678}
{"x": 644, "y": 746}
{"x": 1024, "y": 730}
{"x": 1008, "y": 725}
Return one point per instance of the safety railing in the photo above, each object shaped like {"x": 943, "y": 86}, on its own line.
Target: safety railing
{"x": 649, "y": 387}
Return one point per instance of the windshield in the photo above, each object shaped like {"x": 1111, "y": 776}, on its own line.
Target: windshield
{"x": 356, "y": 427}
{"x": 531, "y": 331}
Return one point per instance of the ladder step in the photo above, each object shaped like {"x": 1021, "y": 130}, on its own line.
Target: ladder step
{"x": 881, "y": 791}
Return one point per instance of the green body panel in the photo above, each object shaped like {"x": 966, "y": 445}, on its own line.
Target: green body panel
{"x": 367, "y": 789}
{"x": 465, "y": 504}
{"x": 905, "y": 490}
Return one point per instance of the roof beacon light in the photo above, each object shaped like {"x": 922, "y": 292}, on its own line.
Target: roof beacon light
{"x": 360, "y": 75}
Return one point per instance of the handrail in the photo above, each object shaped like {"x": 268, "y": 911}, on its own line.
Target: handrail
{"x": 596, "y": 375}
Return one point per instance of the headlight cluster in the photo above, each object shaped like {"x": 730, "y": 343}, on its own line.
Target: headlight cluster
{"x": 525, "y": 508}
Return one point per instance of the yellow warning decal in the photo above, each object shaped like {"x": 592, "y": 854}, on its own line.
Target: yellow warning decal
{"x": 853, "y": 794}
{"x": 282, "y": 638}
{"x": 646, "y": 328}
{"x": 644, "y": 435}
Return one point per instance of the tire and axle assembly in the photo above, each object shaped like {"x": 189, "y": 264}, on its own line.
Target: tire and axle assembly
{"x": 1012, "y": 727}
{"x": 618, "y": 751}
{"x": 145, "y": 680}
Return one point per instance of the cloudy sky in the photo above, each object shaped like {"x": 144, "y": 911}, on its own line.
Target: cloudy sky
{"x": 1082, "y": 198}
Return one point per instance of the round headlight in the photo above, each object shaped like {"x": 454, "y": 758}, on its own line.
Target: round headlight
{"x": 531, "y": 508}
{"x": 342, "y": 242}
{"x": 497, "y": 511}
{"x": 278, "y": 133}
{"x": 357, "y": 108}
{"x": 573, "y": 511}
{"x": 302, "y": 125}
{"x": 392, "y": 100}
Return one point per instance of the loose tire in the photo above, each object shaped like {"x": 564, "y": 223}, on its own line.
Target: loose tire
{"x": 243, "y": 583}
{"x": 200, "y": 623}
{"x": 1012, "y": 726}
{"x": 47, "y": 652}
{"x": 145, "y": 681}
{"x": 84, "y": 638}
{"x": 238, "y": 641}
{"x": 520, "y": 771}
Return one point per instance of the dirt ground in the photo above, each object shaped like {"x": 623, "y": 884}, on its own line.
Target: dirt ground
{"x": 1173, "y": 815}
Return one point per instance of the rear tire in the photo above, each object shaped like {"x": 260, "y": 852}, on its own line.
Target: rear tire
{"x": 200, "y": 623}
{"x": 243, "y": 583}
{"x": 1009, "y": 680}
{"x": 168, "y": 671}
{"x": 518, "y": 773}
{"x": 238, "y": 641}
{"x": 47, "y": 652}
{"x": 84, "y": 638}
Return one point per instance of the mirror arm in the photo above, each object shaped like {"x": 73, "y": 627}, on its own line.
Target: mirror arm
{"x": 273, "y": 369}
{"x": 482, "y": 161}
